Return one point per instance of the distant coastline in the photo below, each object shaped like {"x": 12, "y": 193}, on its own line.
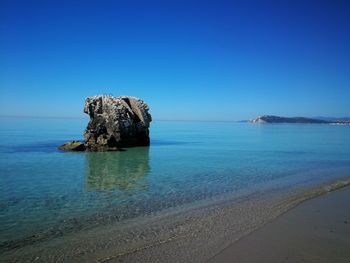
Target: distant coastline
{"x": 279, "y": 119}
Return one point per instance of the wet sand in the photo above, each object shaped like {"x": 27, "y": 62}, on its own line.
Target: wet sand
{"x": 199, "y": 233}
{"x": 317, "y": 230}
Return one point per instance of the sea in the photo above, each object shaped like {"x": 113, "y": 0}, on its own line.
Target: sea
{"x": 47, "y": 194}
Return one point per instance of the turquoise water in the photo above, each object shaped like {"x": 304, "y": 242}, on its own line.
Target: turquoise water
{"x": 46, "y": 193}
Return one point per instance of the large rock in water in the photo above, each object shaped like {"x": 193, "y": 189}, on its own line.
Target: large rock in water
{"x": 116, "y": 122}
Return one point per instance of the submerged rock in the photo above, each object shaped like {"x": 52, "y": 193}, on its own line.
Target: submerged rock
{"x": 116, "y": 122}
{"x": 73, "y": 146}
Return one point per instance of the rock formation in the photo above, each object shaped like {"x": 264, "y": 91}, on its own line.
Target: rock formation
{"x": 115, "y": 122}
{"x": 73, "y": 146}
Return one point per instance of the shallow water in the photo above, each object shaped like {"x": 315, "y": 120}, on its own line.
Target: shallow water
{"x": 46, "y": 193}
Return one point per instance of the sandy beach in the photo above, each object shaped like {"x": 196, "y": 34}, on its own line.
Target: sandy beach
{"x": 308, "y": 226}
{"x": 317, "y": 230}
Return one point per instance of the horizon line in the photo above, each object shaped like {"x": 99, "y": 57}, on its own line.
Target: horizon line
{"x": 156, "y": 119}
{"x": 86, "y": 117}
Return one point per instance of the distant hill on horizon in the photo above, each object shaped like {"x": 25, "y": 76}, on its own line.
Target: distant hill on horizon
{"x": 317, "y": 120}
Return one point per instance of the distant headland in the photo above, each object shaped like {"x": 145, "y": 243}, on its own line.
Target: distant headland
{"x": 278, "y": 119}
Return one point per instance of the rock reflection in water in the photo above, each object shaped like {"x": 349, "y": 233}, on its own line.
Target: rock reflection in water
{"x": 123, "y": 171}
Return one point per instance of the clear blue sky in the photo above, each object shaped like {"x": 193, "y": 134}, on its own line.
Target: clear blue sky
{"x": 207, "y": 60}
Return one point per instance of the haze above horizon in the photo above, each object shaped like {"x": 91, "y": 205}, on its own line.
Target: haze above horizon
{"x": 189, "y": 60}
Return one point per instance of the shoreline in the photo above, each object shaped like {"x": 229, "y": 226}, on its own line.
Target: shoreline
{"x": 317, "y": 230}
{"x": 165, "y": 254}
{"x": 195, "y": 235}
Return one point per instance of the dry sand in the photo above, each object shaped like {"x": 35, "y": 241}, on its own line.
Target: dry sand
{"x": 317, "y": 230}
